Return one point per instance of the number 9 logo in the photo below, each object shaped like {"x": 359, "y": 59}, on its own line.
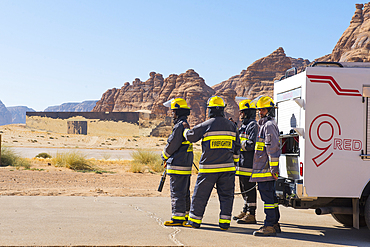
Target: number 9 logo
{"x": 322, "y": 130}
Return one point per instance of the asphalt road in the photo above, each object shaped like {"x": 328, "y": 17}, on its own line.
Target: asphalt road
{"x": 128, "y": 221}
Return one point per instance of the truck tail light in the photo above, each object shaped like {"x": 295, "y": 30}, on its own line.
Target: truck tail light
{"x": 301, "y": 168}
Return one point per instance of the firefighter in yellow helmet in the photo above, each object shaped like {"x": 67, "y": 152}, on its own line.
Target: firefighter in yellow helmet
{"x": 220, "y": 149}
{"x": 248, "y": 134}
{"x": 266, "y": 165}
{"x": 178, "y": 155}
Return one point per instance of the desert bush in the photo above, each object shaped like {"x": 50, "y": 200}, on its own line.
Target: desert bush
{"x": 43, "y": 155}
{"x": 72, "y": 160}
{"x": 11, "y": 158}
{"x": 145, "y": 159}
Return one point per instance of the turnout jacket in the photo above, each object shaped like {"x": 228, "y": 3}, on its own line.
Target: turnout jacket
{"x": 220, "y": 144}
{"x": 267, "y": 151}
{"x": 178, "y": 153}
{"x": 248, "y": 135}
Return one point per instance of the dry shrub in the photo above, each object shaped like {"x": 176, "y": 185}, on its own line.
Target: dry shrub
{"x": 11, "y": 158}
{"x": 72, "y": 160}
{"x": 43, "y": 155}
{"x": 143, "y": 160}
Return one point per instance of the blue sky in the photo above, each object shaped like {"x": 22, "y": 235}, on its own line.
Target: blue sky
{"x": 53, "y": 52}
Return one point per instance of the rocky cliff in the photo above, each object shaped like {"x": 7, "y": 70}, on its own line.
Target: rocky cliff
{"x": 84, "y": 106}
{"x": 131, "y": 97}
{"x": 5, "y": 115}
{"x": 19, "y": 113}
{"x": 151, "y": 94}
{"x": 258, "y": 78}
{"x": 354, "y": 44}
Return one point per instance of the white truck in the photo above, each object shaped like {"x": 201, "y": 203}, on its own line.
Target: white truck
{"x": 323, "y": 115}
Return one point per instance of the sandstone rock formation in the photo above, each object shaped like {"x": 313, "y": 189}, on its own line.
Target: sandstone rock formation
{"x": 5, "y": 115}
{"x": 354, "y": 45}
{"x": 258, "y": 78}
{"x": 19, "y": 113}
{"x": 138, "y": 96}
{"x": 84, "y": 106}
{"x": 151, "y": 94}
{"x": 189, "y": 86}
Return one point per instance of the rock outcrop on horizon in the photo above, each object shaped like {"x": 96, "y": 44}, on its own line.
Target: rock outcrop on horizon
{"x": 19, "y": 113}
{"x": 151, "y": 94}
{"x": 354, "y": 44}
{"x": 84, "y": 106}
{"x": 131, "y": 97}
{"x": 258, "y": 78}
{"x": 5, "y": 115}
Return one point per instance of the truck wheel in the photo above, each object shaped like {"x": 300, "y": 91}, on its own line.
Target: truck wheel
{"x": 367, "y": 212}
{"x": 347, "y": 219}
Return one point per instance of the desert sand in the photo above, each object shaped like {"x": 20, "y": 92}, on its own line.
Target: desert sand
{"x": 46, "y": 180}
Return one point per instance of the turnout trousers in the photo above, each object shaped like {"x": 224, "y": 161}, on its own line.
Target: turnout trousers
{"x": 271, "y": 206}
{"x": 250, "y": 198}
{"x": 225, "y": 184}
{"x": 180, "y": 196}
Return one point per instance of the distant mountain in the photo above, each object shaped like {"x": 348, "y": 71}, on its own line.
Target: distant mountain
{"x": 18, "y": 113}
{"x": 5, "y": 115}
{"x": 84, "y": 106}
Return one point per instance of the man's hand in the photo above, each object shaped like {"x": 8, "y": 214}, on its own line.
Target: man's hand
{"x": 186, "y": 125}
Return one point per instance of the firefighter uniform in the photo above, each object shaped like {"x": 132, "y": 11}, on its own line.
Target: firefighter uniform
{"x": 220, "y": 149}
{"x": 248, "y": 134}
{"x": 265, "y": 164}
{"x": 178, "y": 155}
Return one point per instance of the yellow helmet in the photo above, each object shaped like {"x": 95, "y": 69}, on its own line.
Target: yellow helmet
{"x": 246, "y": 104}
{"x": 215, "y": 101}
{"x": 179, "y": 103}
{"x": 264, "y": 102}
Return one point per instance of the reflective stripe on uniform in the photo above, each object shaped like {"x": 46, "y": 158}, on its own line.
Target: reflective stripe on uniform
{"x": 262, "y": 175}
{"x": 219, "y": 137}
{"x": 195, "y": 219}
{"x": 276, "y": 205}
{"x": 214, "y": 168}
{"x": 224, "y": 221}
{"x": 179, "y": 170}
{"x": 236, "y": 158}
{"x": 274, "y": 163}
{"x": 269, "y": 206}
{"x": 220, "y": 133}
{"x": 165, "y": 155}
{"x": 242, "y": 171}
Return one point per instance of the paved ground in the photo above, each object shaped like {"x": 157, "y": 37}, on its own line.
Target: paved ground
{"x": 139, "y": 221}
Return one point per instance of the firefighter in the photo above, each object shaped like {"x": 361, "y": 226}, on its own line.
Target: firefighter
{"x": 248, "y": 134}
{"x": 266, "y": 165}
{"x": 178, "y": 156}
{"x": 220, "y": 149}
